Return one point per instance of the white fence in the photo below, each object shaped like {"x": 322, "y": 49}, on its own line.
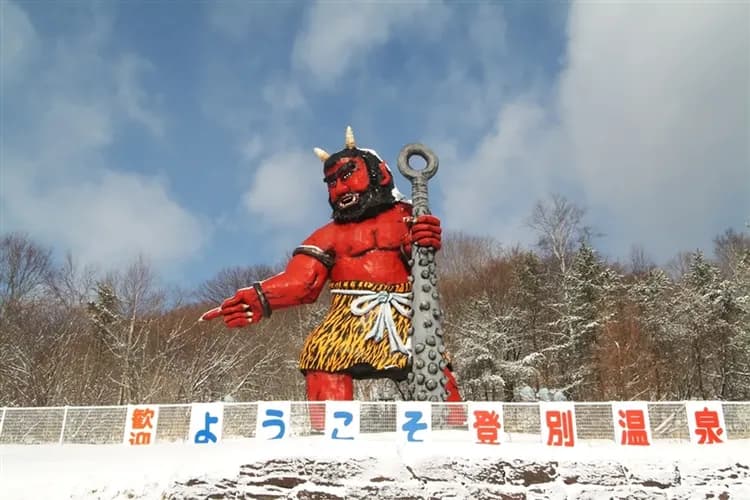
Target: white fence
{"x": 521, "y": 422}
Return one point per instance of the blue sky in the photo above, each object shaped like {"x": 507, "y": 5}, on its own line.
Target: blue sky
{"x": 183, "y": 131}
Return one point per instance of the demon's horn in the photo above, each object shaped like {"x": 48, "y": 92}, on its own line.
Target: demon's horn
{"x": 349, "y": 142}
{"x": 321, "y": 154}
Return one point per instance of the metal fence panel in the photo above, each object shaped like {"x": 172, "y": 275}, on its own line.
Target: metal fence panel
{"x": 737, "y": 420}
{"x": 594, "y": 421}
{"x": 95, "y": 425}
{"x": 239, "y": 420}
{"x": 32, "y": 425}
{"x": 174, "y": 423}
{"x": 668, "y": 421}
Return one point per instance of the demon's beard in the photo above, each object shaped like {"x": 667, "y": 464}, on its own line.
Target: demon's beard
{"x": 373, "y": 201}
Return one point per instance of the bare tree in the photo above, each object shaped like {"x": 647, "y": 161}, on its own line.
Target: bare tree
{"x": 463, "y": 255}
{"x": 72, "y": 285}
{"x": 559, "y": 224}
{"x": 729, "y": 248}
{"x": 640, "y": 262}
{"x": 124, "y": 312}
{"x": 230, "y": 279}
{"x": 24, "y": 266}
{"x": 679, "y": 265}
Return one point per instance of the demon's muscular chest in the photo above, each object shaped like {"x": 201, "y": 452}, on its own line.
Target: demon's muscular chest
{"x": 367, "y": 250}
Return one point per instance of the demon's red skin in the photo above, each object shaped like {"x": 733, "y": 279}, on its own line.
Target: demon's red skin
{"x": 371, "y": 250}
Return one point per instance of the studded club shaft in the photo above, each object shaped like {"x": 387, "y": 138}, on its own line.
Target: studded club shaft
{"x": 426, "y": 380}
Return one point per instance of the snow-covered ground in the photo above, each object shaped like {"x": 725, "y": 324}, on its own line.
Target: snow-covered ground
{"x": 441, "y": 468}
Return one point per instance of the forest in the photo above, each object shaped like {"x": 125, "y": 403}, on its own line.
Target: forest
{"x": 556, "y": 321}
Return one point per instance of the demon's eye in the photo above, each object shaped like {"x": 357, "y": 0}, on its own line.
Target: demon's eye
{"x": 347, "y": 174}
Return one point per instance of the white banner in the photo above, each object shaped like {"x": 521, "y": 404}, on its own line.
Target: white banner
{"x": 342, "y": 420}
{"x": 140, "y": 425}
{"x": 273, "y": 420}
{"x": 558, "y": 421}
{"x": 486, "y": 422}
{"x": 631, "y": 423}
{"x": 206, "y": 422}
{"x": 706, "y": 422}
{"x": 413, "y": 421}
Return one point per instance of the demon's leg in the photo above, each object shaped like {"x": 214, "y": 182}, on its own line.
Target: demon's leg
{"x": 324, "y": 386}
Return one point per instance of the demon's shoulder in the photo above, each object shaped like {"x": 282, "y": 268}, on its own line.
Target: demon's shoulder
{"x": 324, "y": 237}
{"x": 403, "y": 208}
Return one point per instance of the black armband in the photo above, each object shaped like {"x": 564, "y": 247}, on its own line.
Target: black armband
{"x": 321, "y": 256}
{"x": 263, "y": 300}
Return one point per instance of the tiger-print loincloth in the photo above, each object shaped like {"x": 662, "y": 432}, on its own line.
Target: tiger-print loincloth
{"x": 338, "y": 344}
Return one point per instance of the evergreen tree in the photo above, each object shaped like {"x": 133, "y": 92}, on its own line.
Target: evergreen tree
{"x": 583, "y": 308}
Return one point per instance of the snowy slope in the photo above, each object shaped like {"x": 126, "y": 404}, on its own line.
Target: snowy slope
{"x": 313, "y": 467}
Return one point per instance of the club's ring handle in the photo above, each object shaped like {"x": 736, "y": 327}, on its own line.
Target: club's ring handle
{"x": 425, "y": 153}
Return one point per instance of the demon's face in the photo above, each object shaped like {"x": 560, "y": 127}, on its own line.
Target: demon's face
{"x": 347, "y": 180}
{"x": 357, "y": 190}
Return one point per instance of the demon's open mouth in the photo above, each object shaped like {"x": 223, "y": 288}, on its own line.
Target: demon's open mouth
{"x": 348, "y": 200}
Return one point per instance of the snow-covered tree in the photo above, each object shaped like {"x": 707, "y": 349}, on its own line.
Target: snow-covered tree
{"x": 492, "y": 356}
{"x": 711, "y": 319}
{"x": 651, "y": 296}
{"x": 583, "y": 307}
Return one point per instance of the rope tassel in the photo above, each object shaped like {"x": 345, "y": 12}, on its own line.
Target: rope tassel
{"x": 367, "y": 300}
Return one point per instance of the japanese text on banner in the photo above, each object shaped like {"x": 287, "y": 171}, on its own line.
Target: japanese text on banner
{"x": 632, "y": 425}
{"x": 486, "y": 422}
{"x": 342, "y": 420}
{"x": 413, "y": 421}
{"x": 558, "y": 424}
{"x": 206, "y": 423}
{"x": 706, "y": 422}
{"x": 140, "y": 425}
{"x": 273, "y": 420}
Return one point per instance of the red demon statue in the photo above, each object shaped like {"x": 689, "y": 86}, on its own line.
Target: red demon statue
{"x": 364, "y": 253}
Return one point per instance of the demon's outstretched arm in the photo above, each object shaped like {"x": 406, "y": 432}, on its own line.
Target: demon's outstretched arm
{"x": 300, "y": 283}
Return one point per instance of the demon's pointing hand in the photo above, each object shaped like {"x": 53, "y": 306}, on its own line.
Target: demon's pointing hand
{"x": 243, "y": 308}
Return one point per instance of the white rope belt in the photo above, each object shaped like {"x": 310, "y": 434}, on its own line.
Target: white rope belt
{"x": 367, "y": 300}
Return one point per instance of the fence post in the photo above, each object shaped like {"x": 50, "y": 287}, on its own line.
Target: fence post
{"x": 64, "y": 421}
{"x": 2, "y": 421}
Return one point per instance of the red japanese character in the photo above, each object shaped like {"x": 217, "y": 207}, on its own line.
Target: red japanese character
{"x": 487, "y": 425}
{"x": 634, "y": 431}
{"x": 708, "y": 427}
{"x": 142, "y": 418}
{"x": 560, "y": 425}
{"x": 140, "y": 438}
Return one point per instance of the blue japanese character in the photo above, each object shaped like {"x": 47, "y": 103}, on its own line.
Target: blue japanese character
{"x": 205, "y": 435}
{"x": 412, "y": 425}
{"x": 275, "y": 422}
{"x": 347, "y": 417}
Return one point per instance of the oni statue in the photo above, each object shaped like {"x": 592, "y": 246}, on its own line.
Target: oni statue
{"x": 363, "y": 253}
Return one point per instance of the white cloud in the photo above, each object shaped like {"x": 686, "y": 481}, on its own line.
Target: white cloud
{"x": 251, "y": 148}
{"x": 655, "y": 101}
{"x": 240, "y": 19}
{"x": 283, "y": 96}
{"x": 648, "y": 126}
{"x": 136, "y": 102}
{"x": 69, "y": 126}
{"x": 283, "y": 192}
{"x": 19, "y": 42}
{"x": 337, "y": 35}
{"x": 505, "y": 175}
{"x": 231, "y": 17}
{"x": 59, "y": 185}
{"x": 107, "y": 219}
